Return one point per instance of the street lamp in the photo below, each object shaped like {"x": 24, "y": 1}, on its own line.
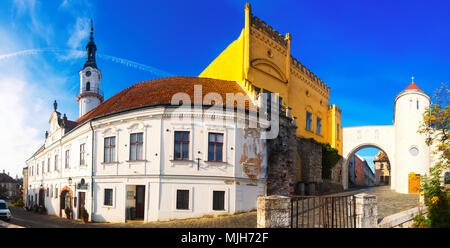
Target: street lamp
{"x": 70, "y": 181}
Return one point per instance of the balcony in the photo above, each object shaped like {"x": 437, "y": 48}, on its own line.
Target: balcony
{"x": 95, "y": 92}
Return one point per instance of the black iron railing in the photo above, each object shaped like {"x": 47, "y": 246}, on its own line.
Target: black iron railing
{"x": 323, "y": 211}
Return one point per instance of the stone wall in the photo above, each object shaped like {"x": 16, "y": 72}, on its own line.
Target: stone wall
{"x": 366, "y": 211}
{"x": 273, "y": 211}
{"x": 310, "y": 153}
{"x": 282, "y": 159}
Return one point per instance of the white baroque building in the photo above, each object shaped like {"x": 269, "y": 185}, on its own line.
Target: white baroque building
{"x": 129, "y": 158}
{"x": 404, "y": 146}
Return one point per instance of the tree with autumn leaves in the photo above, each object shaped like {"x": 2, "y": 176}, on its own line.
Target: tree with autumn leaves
{"x": 436, "y": 127}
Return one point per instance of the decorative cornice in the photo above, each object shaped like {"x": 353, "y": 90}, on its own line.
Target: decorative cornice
{"x": 262, "y": 26}
{"x": 305, "y": 71}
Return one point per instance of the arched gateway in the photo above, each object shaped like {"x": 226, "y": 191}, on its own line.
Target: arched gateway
{"x": 404, "y": 147}
{"x": 357, "y": 138}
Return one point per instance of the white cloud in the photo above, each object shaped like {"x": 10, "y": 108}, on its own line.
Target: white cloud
{"x": 29, "y": 8}
{"x": 79, "y": 35}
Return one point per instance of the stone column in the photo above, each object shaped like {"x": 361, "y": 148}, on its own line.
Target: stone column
{"x": 274, "y": 211}
{"x": 366, "y": 211}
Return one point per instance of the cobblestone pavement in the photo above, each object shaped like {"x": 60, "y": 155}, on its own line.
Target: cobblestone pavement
{"x": 389, "y": 202}
{"x": 33, "y": 220}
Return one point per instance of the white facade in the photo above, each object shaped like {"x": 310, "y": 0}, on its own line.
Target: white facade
{"x": 158, "y": 171}
{"x": 404, "y": 147}
{"x": 48, "y": 170}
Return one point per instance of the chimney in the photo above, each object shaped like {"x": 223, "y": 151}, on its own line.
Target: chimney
{"x": 3, "y": 171}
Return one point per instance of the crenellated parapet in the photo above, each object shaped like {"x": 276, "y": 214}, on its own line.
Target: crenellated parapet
{"x": 267, "y": 29}
{"x": 301, "y": 68}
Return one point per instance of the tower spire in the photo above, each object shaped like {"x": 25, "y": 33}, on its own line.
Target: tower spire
{"x": 91, "y": 49}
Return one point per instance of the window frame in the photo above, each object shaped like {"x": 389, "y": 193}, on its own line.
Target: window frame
{"x": 111, "y": 155}
{"x": 224, "y": 200}
{"x": 215, "y": 142}
{"x": 136, "y": 143}
{"x": 56, "y": 162}
{"x": 189, "y": 198}
{"x": 67, "y": 159}
{"x": 112, "y": 197}
{"x": 308, "y": 121}
{"x": 319, "y": 126}
{"x": 181, "y": 143}
{"x": 83, "y": 154}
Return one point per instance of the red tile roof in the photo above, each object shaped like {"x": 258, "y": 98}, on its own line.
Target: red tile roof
{"x": 160, "y": 91}
{"x": 4, "y": 178}
{"x": 413, "y": 86}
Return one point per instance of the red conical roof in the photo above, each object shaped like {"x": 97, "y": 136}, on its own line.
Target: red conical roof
{"x": 413, "y": 86}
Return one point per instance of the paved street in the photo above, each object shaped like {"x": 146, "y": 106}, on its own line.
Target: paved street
{"x": 389, "y": 203}
{"x": 34, "y": 220}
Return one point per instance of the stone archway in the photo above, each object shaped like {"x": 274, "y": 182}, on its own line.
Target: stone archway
{"x": 357, "y": 138}
{"x": 65, "y": 199}
{"x": 358, "y": 148}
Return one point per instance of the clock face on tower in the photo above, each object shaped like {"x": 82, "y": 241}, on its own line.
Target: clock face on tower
{"x": 88, "y": 73}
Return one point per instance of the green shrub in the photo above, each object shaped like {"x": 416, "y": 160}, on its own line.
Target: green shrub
{"x": 436, "y": 198}
{"x": 330, "y": 157}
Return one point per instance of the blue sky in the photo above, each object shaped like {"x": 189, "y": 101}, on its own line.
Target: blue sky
{"x": 366, "y": 51}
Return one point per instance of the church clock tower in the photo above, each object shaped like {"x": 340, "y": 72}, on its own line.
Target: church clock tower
{"x": 90, "y": 95}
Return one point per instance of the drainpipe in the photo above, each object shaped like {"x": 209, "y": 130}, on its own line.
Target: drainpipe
{"x": 92, "y": 170}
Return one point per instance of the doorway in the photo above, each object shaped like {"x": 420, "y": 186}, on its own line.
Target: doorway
{"x": 81, "y": 203}
{"x": 140, "y": 201}
{"x": 41, "y": 197}
{"x": 135, "y": 202}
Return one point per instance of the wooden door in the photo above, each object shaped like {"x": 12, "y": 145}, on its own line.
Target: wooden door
{"x": 140, "y": 201}
{"x": 414, "y": 183}
{"x": 81, "y": 203}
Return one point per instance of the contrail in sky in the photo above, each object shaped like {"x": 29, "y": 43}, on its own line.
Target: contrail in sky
{"x": 122, "y": 61}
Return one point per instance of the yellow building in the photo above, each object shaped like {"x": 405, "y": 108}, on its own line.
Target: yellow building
{"x": 261, "y": 61}
{"x": 382, "y": 169}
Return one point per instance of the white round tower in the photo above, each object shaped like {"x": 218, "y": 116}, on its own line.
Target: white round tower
{"x": 411, "y": 152}
{"x": 90, "y": 95}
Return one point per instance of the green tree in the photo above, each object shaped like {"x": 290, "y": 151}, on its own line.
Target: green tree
{"x": 436, "y": 125}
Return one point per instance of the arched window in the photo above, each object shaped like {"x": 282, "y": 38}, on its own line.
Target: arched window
{"x": 88, "y": 86}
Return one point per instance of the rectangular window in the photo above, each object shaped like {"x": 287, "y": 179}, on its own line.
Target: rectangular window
{"x": 136, "y": 144}
{"x": 308, "y": 121}
{"x": 43, "y": 167}
{"x": 48, "y": 165}
{"x": 56, "y": 162}
{"x": 108, "y": 200}
{"x": 182, "y": 199}
{"x": 56, "y": 193}
{"x": 215, "y": 146}
{"x": 110, "y": 147}
{"x": 82, "y": 154}
{"x": 181, "y": 148}
{"x": 218, "y": 200}
{"x": 319, "y": 126}
{"x": 67, "y": 164}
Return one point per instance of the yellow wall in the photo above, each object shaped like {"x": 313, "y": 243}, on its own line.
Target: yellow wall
{"x": 261, "y": 58}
